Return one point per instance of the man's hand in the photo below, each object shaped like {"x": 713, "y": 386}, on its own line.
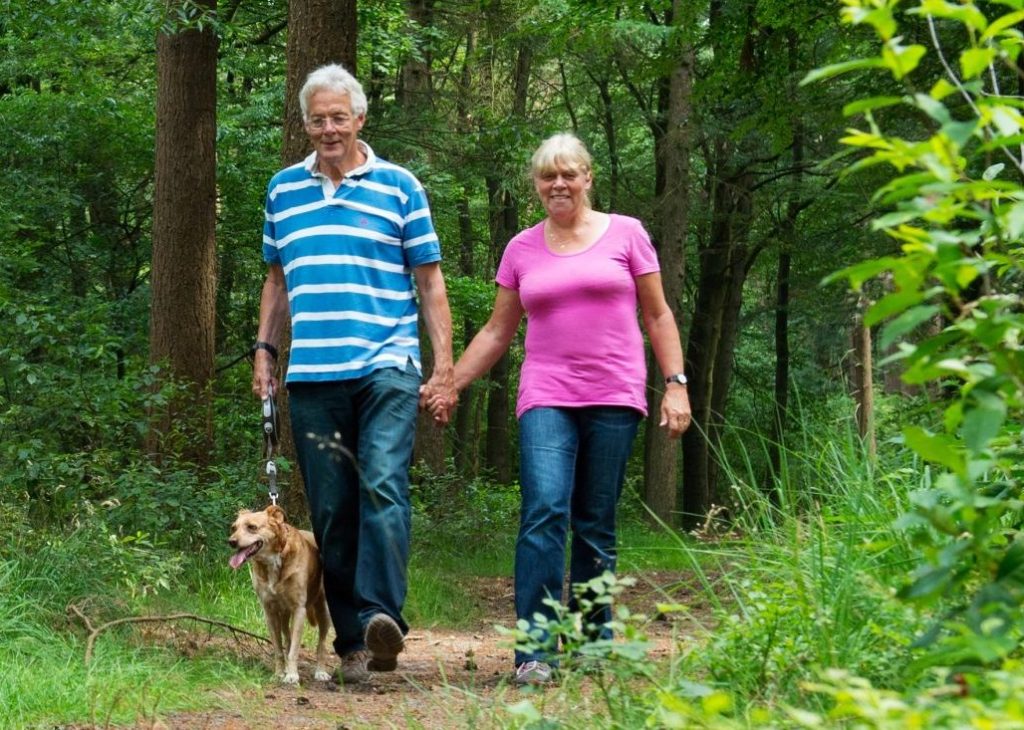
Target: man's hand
{"x": 263, "y": 381}
{"x": 438, "y": 395}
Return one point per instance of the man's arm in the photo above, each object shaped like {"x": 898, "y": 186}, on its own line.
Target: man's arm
{"x": 273, "y": 320}
{"x": 438, "y": 317}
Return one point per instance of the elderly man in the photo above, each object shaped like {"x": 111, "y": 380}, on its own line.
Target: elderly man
{"x": 346, "y": 233}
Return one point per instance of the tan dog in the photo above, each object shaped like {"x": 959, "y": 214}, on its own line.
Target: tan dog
{"x": 285, "y": 566}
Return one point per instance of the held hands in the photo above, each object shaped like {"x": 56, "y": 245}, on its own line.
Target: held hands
{"x": 438, "y": 395}
{"x": 675, "y": 410}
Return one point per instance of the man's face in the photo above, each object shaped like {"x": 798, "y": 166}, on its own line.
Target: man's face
{"x": 332, "y": 127}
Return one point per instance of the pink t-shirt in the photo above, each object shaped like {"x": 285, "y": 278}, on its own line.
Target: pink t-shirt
{"x": 583, "y": 340}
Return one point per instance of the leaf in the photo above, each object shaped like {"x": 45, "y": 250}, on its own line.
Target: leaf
{"x": 1007, "y": 120}
{"x": 901, "y": 60}
{"x": 891, "y": 305}
{"x": 836, "y": 69}
{"x": 906, "y": 322}
{"x": 1013, "y": 221}
{"x": 974, "y": 61}
{"x": 965, "y": 13}
{"x": 983, "y": 420}
{"x": 1000, "y": 24}
{"x": 933, "y": 108}
{"x": 993, "y": 171}
{"x": 932, "y": 582}
{"x": 861, "y": 272}
{"x": 941, "y": 90}
{"x": 937, "y": 448}
{"x": 1012, "y": 563}
{"x": 875, "y": 102}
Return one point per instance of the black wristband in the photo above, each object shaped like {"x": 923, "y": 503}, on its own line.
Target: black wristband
{"x": 260, "y": 345}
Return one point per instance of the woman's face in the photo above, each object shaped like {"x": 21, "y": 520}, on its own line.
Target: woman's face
{"x": 563, "y": 189}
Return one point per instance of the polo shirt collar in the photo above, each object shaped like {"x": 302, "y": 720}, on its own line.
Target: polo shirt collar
{"x": 371, "y": 159}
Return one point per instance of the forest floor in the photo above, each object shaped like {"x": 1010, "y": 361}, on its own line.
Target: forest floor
{"x": 445, "y": 678}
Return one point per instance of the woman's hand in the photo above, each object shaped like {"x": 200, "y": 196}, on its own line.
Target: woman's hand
{"x": 675, "y": 410}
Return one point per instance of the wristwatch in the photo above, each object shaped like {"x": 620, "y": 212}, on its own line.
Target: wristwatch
{"x": 260, "y": 345}
{"x": 677, "y": 378}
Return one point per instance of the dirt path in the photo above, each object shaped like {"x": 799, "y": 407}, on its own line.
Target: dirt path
{"x": 445, "y": 679}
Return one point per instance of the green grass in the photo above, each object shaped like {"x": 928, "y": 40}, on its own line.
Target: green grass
{"x": 45, "y": 681}
{"x": 792, "y": 590}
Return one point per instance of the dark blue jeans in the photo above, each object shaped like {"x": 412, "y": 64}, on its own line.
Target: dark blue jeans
{"x": 359, "y": 509}
{"x": 572, "y": 467}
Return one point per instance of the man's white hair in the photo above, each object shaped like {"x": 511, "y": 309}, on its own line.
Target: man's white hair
{"x": 333, "y": 77}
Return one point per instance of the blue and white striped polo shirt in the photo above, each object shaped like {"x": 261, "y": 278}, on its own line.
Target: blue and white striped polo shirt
{"x": 348, "y": 256}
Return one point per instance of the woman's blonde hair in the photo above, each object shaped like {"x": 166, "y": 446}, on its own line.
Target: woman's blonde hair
{"x": 560, "y": 150}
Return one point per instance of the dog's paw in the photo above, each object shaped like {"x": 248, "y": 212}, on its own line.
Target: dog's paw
{"x": 290, "y": 678}
{"x": 322, "y": 675}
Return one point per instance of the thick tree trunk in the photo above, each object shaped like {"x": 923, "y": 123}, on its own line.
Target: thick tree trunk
{"x": 661, "y": 454}
{"x": 319, "y": 32}
{"x": 184, "y": 277}
{"x": 724, "y": 262}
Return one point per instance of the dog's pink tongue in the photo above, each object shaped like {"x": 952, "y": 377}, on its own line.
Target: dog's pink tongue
{"x": 237, "y": 559}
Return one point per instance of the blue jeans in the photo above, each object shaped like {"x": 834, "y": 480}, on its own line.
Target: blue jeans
{"x": 359, "y": 509}
{"x": 572, "y": 467}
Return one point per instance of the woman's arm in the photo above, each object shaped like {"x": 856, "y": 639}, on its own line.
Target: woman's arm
{"x": 668, "y": 351}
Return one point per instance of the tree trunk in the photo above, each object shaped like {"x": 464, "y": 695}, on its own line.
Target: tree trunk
{"x": 319, "y": 32}
{"x": 724, "y": 262}
{"x": 466, "y": 461}
{"x": 504, "y": 223}
{"x": 414, "y": 86}
{"x": 184, "y": 276}
{"x": 662, "y": 454}
{"x": 863, "y": 382}
{"x": 788, "y": 240}
{"x": 504, "y": 215}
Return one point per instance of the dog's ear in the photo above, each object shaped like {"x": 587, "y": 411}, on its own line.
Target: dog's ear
{"x": 275, "y": 513}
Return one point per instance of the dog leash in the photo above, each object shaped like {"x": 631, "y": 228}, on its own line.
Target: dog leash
{"x": 269, "y": 442}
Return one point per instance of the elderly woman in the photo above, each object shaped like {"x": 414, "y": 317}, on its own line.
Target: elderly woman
{"x": 578, "y": 275}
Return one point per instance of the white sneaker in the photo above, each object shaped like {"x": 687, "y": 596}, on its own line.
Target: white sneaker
{"x": 533, "y": 672}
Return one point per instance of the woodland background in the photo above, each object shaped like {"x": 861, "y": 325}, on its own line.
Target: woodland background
{"x": 122, "y": 267}
{"x": 766, "y": 144}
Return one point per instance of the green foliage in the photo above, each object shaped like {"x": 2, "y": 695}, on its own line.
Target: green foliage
{"x": 956, "y": 215}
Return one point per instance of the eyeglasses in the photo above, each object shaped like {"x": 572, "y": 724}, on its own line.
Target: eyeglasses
{"x": 320, "y": 123}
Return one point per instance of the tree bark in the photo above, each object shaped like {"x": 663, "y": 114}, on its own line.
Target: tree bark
{"x": 504, "y": 223}
{"x": 319, "y": 32}
{"x": 788, "y": 240}
{"x": 184, "y": 276}
{"x": 662, "y": 454}
{"x": 724, "y": 261}
{"x": 863, "y": 380}
{"x": 504, "y": 215}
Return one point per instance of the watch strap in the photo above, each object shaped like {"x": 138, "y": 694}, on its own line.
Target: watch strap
{"x": 261, "y": 345}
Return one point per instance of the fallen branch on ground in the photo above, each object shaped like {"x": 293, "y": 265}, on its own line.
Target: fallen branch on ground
{"x": 95, "y": 631}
